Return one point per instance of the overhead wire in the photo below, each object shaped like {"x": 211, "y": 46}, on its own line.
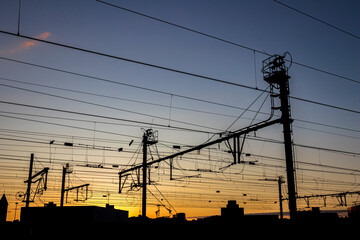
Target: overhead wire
{"x": 180, "y": 72}
{"x": 99, "y": 116}
{"x": 163, "y": 92}
{"x": 117, "y": 98}
{"x": 223, "y": 40}
{"x": 253, "y": 102}
{"x": 130, "y": 60}
{"x": 317, "y": 19}
{"x": 105, "y": 106}
{"x": 192, "y": 187}
{"x": 165, "y": 68}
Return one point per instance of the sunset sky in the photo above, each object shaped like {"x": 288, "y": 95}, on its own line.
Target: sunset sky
{"x": 138, "y": 73}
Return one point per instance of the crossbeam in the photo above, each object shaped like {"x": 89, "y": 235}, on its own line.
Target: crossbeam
{"x": 80, "y": 186}
{"x": 341, "y": 197}
{"x": 204, "y": 145}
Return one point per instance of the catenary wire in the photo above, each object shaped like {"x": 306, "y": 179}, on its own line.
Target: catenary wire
{"x": 224, "y": 40}
{"x": 317, "y": 19}
{"x": 164, "y": 68}
{"x": 167, "y": 93}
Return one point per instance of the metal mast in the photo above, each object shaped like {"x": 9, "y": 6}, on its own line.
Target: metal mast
{"x": 27, "y": 201}
{"x": 149, "y": 138}
{"x": 276, "y": 74}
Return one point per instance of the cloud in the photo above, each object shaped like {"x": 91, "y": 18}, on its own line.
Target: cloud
{"x": 26, "y": 44}
{"x": 30, "y": 43}
{"x": 43, "y": 35}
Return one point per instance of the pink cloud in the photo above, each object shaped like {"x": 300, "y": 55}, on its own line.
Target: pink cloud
{"x": 43, "y": 35}
{"x": 26, "y": 44}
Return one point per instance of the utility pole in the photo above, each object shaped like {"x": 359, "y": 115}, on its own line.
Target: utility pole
{"x": 276, "y": 74}
{"x": 149, "y": 138}
{"x": 144, "y": 168}
{"x": 29, "y": 181}
{"x": 40, "y": 180}
{"x": 63, "y": 185}
{"x": 286, "y": 122}
{"x": 280, "y": 181}
{"x": 66, "y": 170}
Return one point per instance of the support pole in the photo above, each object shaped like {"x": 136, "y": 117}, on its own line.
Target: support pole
{"x": 275, "y": 73}
{"x": 234, "y": 149}
{"x": 280, "y": 181}
{"x": 63, "y": 186}
{"x": 144, "y": 168}
{"x": 171, "y": 168}
{"x": 29, "y": 181}
{"x": 238, "y": 149}
{"x": 286, "y": 122}
{"x": 120, "y": 186}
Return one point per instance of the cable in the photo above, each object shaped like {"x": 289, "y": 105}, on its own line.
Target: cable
{"x": 91, "y": 129}
{"x": 104, "y": 106}
{"x": 317, "y": 19}
{"x": 167, "y": 93}
{"x": 328, "y": 125}
{"x": 224, "y": 40}
{"x": 257, "y": 138}
{"x": 325, "y": 105}
{"x": 248, "y": 108}
{"x": 64, "y": 125}
{"x": 182, "y": 27}
{"x": 164, "y": 198}
{"x": 131, "y": 60}
{"x": 101, "y": 116}
{"x": 126, "y": 99}
{"x": 162, "y": 118}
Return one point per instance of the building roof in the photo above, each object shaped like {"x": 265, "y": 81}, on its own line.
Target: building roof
{"x": 3, "y": 200}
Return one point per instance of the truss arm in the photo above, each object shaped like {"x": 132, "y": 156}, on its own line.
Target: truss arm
{"x": 204, "y": 145}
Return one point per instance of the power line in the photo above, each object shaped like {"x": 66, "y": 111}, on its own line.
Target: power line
{"x": 120, "y": 83}
{"x": 101, "y": 116}
{"x": 326, "y": 105}
{"x": 327, "y": 132}
{"x": 105, "y": 106}
{"x": 127, "y": 99}
{"x": 317, "y": 19}
{"x": 257, "y": 138}
{"x": 130, "y": 60}
{"x": 158, "y": 67}
{"x": 193, "y": 160}
{"x": 248, "y": 108}
{"x": 65, "y": 125}
{"x": 224, "y": 40}
{"x": 184, "y": 28}
{"x": 328, "y": 125}
{"x": 193, "y": 186}
{"x": 167, "y": 93}
{"x": 328, "y": 149}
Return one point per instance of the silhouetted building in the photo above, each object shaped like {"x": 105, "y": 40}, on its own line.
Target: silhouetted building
{"x": 232, "y": 211}
{"x": 3, "y": 208}
{"x": 316, "y": 216}
{"x": 354, "y": 212}
{"x": 180, "y": 217}
{"x": 72, "y": 214}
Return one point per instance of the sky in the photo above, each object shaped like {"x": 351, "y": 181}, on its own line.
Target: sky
{"x": 186, "y": 110}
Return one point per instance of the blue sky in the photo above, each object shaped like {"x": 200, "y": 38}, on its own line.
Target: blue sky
{"x": 263, "y": 25}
